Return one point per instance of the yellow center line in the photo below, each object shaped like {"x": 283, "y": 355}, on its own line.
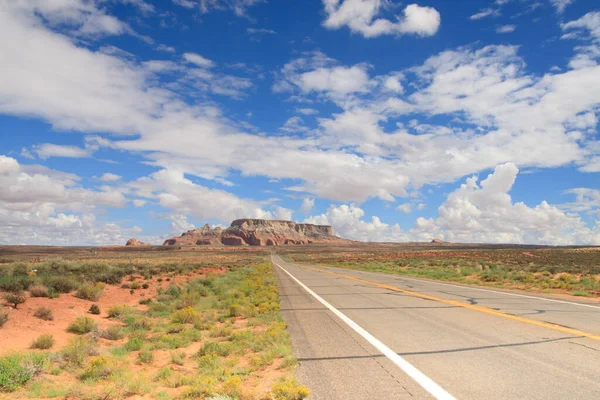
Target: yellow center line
{"x": 486, "y": 310}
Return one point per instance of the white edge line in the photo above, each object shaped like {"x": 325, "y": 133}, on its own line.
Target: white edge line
{"x": 425, "y": 382}
{"x": 463, "y": 287}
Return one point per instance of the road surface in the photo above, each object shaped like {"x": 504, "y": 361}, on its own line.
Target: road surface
{"x": 360, "y": 335}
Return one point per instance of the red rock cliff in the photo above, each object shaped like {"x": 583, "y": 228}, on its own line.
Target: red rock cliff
{"x": 257, "y": 232}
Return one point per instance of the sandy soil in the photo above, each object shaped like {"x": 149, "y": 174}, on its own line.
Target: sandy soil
{"x": 22, "y": 327}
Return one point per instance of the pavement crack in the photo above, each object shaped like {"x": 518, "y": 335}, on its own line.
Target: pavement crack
{"x": 584, "y": 345}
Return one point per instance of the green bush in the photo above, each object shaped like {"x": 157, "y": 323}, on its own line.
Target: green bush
{"x": 62, "y": 284}
{"x": 77, "y": 350}
{"x": 134, "y": 344}
{"x": 44, "y": 313}
{"x": 87, "y": 291}
{"x": 44, "y": 342}
{"x": 81, "y": 325}
{"x": 94, "y": 309}
{"x": 3, "y": 319}
{"x": 15, "y": 298}
{"x": 112, "y": 333}
{"x": 38, "y": 291}
{"x": 17, "y": 369}
{"x": 119, "y": 311}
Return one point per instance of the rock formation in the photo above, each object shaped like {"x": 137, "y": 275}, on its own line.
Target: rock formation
{"x": 196, "y": 237}
{"x": 437, "y": 241}
{"x": 256, "y": 232}
{"x": 136, "y": 243}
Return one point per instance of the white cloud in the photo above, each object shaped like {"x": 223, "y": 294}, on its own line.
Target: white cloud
{"x": 360, "y": 17}
{"x": 198, "y": 60}
{"x": 506, "y": 29}
{"x": 47, "y": 150}
{"x": 165, "y": 48}
{"x": 307, "y": 205}
{"x": 488, "y": 12}
{"x": 43, "y": 206}
{"x": 485, "y": 213}
{"x": 347, "y": 222}
{"x": 307, "y": 111}
{"x": 238, "y": 7}
{"x": 139, "y": 203}
{"x": 406, "y": 208}
{"x": 474, "y": 213}
{"x": 170, "y": 189}
{"x": 561, "y": 5}
{"x": 109, "y": 177}
{"x": 185, "y": 3}
{"x": 589, "y": 23}
{"x": 179, "y": 224}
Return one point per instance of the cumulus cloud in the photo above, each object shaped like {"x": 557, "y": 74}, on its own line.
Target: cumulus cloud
{"x": 171, "y": 190}
{"x": 361, "y": 17}
{"x": 307, "y": 205}
{"x": 109, "y": 177}
{"x": 406, "y": 208}
{"x": 43, "y": 206}
{"x": 474, "y": 213}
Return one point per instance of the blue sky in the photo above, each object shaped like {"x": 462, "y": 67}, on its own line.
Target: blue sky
{"x": 472, "y": 121}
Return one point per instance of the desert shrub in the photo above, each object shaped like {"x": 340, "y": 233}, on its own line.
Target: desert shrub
{"x": 135, "y": 285}
{"x": 289, "y": 389}
{"x": 38, "y": 291}
{"x": 98, "y": 368}
{"x": 145, "y": 357}
{"x": 88, "y": 291}
{"x": 44, "y": 313}
{"x": 62, "y": 284}
{"x": 178, "y": 357}
{"x": 173, "y": 290}
{"x": 112, "y": 333}
{"x": 77, "y": 350}
{"x": 44, "y": 342}
{"x": 15, "y": 298}
{"x": 119, "y": 311}
{"x": 186, "y": 316}
{"x": 14, "y": 284}
{"x": 138, "y": 323}
{"x": 145, "y": 286}
{"x": 235, "y": 310}
{"x": 20, "y": 270}
{"x": 232, "y": 386}
{"x": 145, "y": 301}
{"x": 94, "y": 309}
{"x": 3, "y": 319}
{"x": 81, "y": 325}
{"x": 17, "y": 369}
{"x": 134, "y": 344}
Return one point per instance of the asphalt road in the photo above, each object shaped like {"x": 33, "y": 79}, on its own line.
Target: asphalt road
{"x": 470, "y": 343}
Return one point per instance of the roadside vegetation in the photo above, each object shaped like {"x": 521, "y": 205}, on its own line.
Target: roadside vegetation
{"x": 575, "y": 271}
{"x": 207, "y": 326}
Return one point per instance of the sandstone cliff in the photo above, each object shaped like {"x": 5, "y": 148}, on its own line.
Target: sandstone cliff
{"x": 256, "y": 232}
{"x": 133, "y": 242}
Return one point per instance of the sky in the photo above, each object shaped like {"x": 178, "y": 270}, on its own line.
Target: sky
{"x": 470, "y": 121}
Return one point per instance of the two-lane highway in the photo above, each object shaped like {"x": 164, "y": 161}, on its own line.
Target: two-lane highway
{"x": 362, "y": 335}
